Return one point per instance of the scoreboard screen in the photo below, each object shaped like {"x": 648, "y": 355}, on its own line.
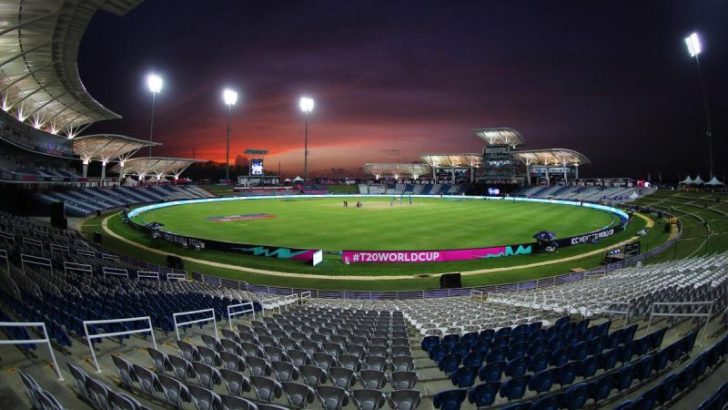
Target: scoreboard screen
{"x": 256, "y": 167}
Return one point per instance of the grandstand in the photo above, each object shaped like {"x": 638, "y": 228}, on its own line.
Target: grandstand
{"x": 82, "y": 326}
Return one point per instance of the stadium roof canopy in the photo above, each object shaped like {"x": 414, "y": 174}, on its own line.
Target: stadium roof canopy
{"x": 39, "y": 80}
{"x": 500, "y": 136}
{"x": 396, "y": 169}
{"x": 107, "y": 147}
{"x": 157, "y": 166}
{"x": 468, "y": 160}
{"x": 552, "y": 156}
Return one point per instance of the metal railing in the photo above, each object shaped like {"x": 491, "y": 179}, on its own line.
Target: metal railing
{"x": 90, "y": 337}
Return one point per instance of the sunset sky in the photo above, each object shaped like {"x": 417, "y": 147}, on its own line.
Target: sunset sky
{"x": 396, "y": 79}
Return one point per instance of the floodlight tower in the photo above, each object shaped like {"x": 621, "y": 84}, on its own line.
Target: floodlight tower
{"x": 154, "y": 83}
{"x": 306, "y": 104}
{"x": 695, "y": 48}
{"x": 230, "y": 97}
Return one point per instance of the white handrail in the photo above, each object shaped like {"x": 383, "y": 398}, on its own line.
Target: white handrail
{"x": 107, "y": 270}
{"x": 706, "y": 315}
{"x": 77, "y": 267}
{"x": 45, "y": 340}
{"x": 147, "y": 274}
{"x": 192, "y": 322}
{"x": 35, "y": 260}
{"x": 176, "y": 276}
{"x": 304, "y": 295}
{"x": 89, "y": 337}
{"x": 244, "y": 305}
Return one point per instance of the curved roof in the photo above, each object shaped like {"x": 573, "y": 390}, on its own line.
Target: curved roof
{"x": 469, "y": 160}
{"x": 159, "y": 166}
{"x": 39, "y": 80}
{"x": 500, "y": 136}
{"x": 105, "y": 147}
{"x": 552, "y": 156}
{"x": 396, "y": 168}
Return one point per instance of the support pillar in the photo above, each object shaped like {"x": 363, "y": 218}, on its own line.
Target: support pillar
{"x": 85, "y": 168}
{"x": 548, "y": 179}
{"x": 566, "y": 178}
{"x": 103, "y": 171}
{"x": 577, "y": 171}
{"x": 528, "y": 172}
{"x": 452, "y": 172}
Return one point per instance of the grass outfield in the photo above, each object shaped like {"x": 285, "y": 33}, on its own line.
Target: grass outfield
{"x": 426, "y": 224}
{"x": 335, "y": 275}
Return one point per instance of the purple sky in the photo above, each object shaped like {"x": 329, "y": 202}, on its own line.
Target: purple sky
{"x": 393, "y": 79}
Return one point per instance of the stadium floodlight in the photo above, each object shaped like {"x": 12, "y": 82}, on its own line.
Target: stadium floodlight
{"x": 229, "y": 97}
{"x": 695, "y": 48}
{"x": 693, "y": 43}
{"x": 154, "y": 83}
{"x": 306, "y": 104}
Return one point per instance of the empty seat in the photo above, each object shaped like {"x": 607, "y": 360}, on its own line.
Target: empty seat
{"x": 229, "y": 402}
{"x": 235, "y": 382}
{"x": 449, "y": 399}
{"x": 298, "y": 395}
{"x": 207, "y": 376}
{"x": 257, "y": 366}
{"x": 181, "y": 367}
{"x": 160, "y": 360}
{"x": 312, "y": 375}
{"x": 405, "y": 399}
{"x": 124, "y": 370}
{"x": 404, "y": 380}
{"x": 174, "y": 391}
{"x": 372, "y": 379}
{"x": 368, "y": 399}
{"x": 204, "y": 399}
{"x": 331, "y": 397}
{"x": 284, "y": 371}
{"x": 342, "y": 377}
{"x": 484, "y": 394}
{"x": 148, "y": 380}
{"x": 189, "y": 352}
{"x": 266, "y": 389}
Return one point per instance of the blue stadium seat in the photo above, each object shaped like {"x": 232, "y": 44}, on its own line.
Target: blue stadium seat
{"x": 460, "y": 349}
{"x": 449, "y": 363}
{"x": 438, "y": 352}
{"x": 449, "y": 399}
{"x": 608, "y": 359}
{"x": 469, "y": 338}
{"x": 502, "y": 332}
{"x": 578, "y": 351}
{"x": 450, "y": 340}
{"x": 550, "y": 402}
{"x": 542, "y": 382}
{"x": 599, "y": 389}
{"x": 643, "y": 368}
{"x": 623, "y": 377}
{"x": 576, "y": 396}
{"x": 588, "y": 367}
{"x": 473, "y": 359}
{"x": 496, "y": 355}
{"x": 517, "y": 350}
{"x": 567, "y": 373}
{"x": 491, "y": 372}
{"x": 666, "y": 389}
{"x": 486, "y": 334}
{"x": 646, "y": 401}
{"x": 538, "y": 362}
{"x": 514, "y": 388}
{"x": 464, "y": 376}
{"x": 483, "y": 394}
{"x": 516, "y": 368}
{"x": 429, "y": 342}
{"x": 559, "y": 357}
